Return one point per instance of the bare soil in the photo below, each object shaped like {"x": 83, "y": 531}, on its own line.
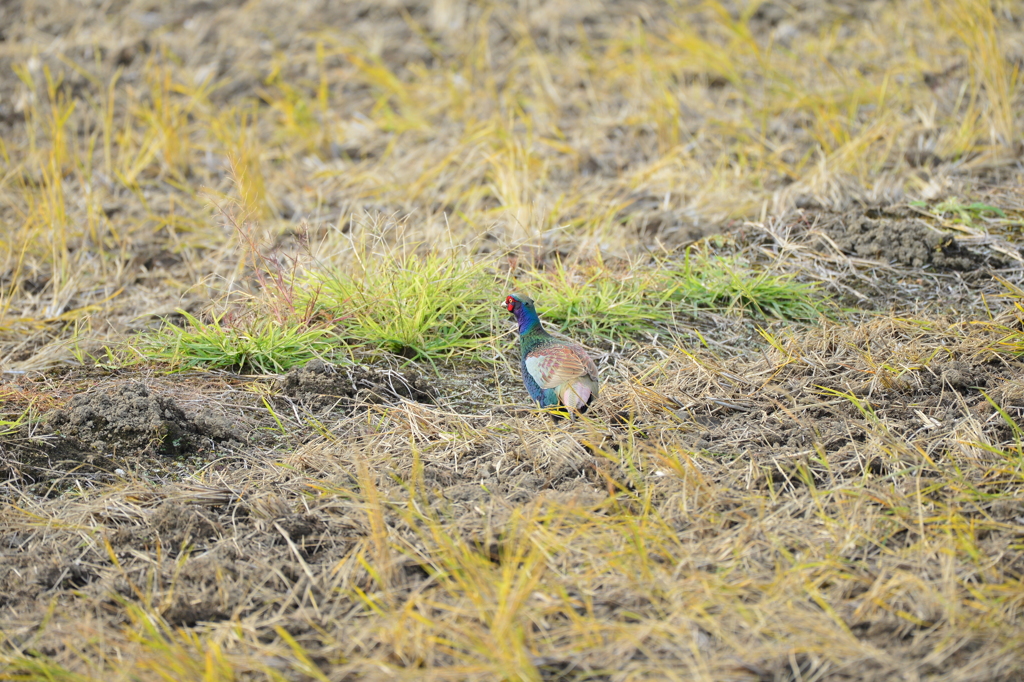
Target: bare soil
{"x": 321, "y": 384}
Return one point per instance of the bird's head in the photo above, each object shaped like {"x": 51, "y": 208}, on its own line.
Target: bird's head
{"x": 517, "y": 302}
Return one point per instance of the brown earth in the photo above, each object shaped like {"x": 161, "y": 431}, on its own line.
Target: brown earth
{"x": 910, "y": 243}
{"x": 322, "y": 384}
{"x": 130, "y": 419}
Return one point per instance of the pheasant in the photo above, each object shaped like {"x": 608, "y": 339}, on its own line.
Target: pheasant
{"x": 555, "y": 372}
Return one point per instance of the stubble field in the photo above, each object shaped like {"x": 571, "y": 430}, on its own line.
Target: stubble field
{"x": 260, "y": 407}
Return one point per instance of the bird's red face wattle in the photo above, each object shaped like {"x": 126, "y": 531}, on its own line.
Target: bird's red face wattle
{"x": 510, "y": 303}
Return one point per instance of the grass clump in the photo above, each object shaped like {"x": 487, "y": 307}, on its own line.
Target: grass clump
{"x": 434, "y": 307}
{"x": 9, "y": 426}
{"x": 960, "y": 213}
{"x": 595, "y": 301}
{"x": 422, "y": 307}
{"x": 729, "y": 285}
{"x": 1012, "y": 338}
{"x": 614, "y": 307}
{"x": 262, "y": 345}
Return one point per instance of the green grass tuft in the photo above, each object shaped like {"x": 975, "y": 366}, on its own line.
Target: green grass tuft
{"x": 964, "y": 214}
{"x": 434, "y": 307}
{"x": 430, "y": 307}
{"x": 599, "y": 303}
{"x": 263, "y": 345}
{"x": 730, "y": 286}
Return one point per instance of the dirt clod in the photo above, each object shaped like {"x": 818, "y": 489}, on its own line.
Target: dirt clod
{"x": 905, "y": 242}
{"x": 960, "y": 377}
{"x": 129, "y": 419}
{"x": 178, "y": 524}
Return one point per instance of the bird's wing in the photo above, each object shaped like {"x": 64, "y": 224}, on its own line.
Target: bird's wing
{"x": 553, "y": 365}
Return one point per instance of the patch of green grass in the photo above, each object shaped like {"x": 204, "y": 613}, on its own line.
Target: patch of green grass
{"x": 1012, "y": 342}
{"x": 9, "y": 426}
{"x": 262, "y": 345}
{"x": 595, "y": 301}
{"x": 610, "y": 306}
{"x": 422, "y": 307}
{"x": 13, "y": 413}
{"x": 1011, "y": 338}
{"x": 434, "y": 307}
{"x": 965, "y": 214}
{"x": 728, "y": 285}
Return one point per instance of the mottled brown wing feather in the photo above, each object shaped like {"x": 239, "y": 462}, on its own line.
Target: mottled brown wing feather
{"x": 552, "y": 366}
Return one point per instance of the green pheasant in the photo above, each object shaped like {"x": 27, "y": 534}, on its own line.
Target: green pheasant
{"x": 555, "y": 372}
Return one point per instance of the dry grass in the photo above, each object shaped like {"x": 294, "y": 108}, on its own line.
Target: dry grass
{"x": 752, "y": 498}
{"x": 744, "y": 522}
{"x": 496, "y": 127}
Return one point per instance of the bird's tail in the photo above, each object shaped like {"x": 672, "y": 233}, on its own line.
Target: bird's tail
{"x": 575, "y": 395}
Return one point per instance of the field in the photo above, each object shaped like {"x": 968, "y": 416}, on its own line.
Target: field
{"x": 260, "y": 408}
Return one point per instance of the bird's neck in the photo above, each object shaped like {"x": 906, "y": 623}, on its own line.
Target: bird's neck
{"x": 529, "y": 324}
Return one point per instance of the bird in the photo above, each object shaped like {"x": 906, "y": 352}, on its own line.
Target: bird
{"x": 557, "y": 373}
